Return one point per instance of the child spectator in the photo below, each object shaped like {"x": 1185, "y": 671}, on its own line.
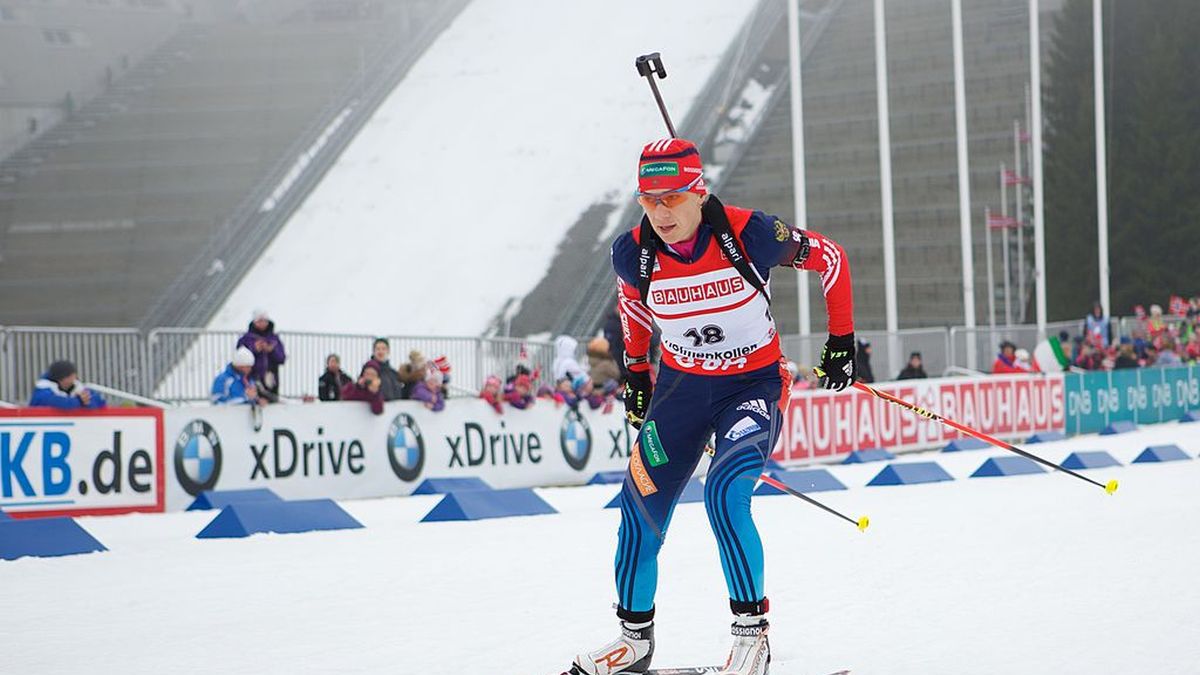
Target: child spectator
{"x": 1023, "y": 361}
{"x": 368, "y": 388}
{"x": 59, "y": 387}
{"x": 915, "y": 370}
{"x": 1126, "y": 358}
{"x": 390, "y": 385}
{"x": 1006, "y": 361}
{"x": 235, "y": 385}
{"x": 519, "y": 392}
{"x": 267, "y": 348}
{"x": 493, "y": 393}
{"x": 442, "y": 363}
{"x": 332, "y": 380}
{"x": 429, "y": 391}
{"x": 411, "y": 373}
{"x": 565, "y": 364}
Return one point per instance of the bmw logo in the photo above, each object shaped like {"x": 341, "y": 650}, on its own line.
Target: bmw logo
{"x": 406, "y": 448}
{"x": 575, "y": 436}
{"x": 197, "y": 457}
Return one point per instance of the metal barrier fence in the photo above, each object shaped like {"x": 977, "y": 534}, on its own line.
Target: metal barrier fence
{"x": 179, "y": 364}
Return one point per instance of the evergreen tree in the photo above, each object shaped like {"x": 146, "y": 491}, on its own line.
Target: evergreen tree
{"x": 1153, "y": 114}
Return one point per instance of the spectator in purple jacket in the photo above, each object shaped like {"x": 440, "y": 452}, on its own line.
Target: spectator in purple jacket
{"x": 519, "y": 392}
{"x": 261, "y": 340}
{"x": 366, "y": 388}
{"x": 429, "y": 391}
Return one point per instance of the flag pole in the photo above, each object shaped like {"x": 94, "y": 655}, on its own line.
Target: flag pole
{"x": 964, "y": 182}
{"x": 1004, "y": 244}
{"x": 885, "y": 183}
{"x": 991, "y": 289}
{"x": 1039, "y": 192}
{"x": 799, "y": 193}
{"x": 1101, "y": 152}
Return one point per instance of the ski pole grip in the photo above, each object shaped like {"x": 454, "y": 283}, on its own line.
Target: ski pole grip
{"x": 649, "y": 65}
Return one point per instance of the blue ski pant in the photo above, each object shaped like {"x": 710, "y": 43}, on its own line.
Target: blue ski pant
{"x": 743, "y": 411}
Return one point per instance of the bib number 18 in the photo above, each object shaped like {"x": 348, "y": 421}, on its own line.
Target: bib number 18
{"x": 710, "y": 334}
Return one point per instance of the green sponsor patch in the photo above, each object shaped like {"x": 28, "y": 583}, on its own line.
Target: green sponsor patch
{"x": 660, "y": 169}
{"x": 652, "y": 446}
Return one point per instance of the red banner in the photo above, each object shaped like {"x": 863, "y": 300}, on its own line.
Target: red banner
{"x": 822, "y": 425}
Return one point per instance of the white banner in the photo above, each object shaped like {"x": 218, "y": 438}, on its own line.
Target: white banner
{"x": 90, "y": 462}
{"x": 341, "y": 450}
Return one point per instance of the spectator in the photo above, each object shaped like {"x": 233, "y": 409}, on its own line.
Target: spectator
{"x": 915, "y": 370}
{"x": 367, "y": 388}
{"x": 1006, "y": 361}
{"x": 565, "y": 364}
{"x": 1096, "y": 329}
{"x": 1193, "y": 310}
{"x": 1151, "y": 356}
{"x": 1090, "y": 357}
{"x": 493, "y": 393}
{"x": 1023, "y": 361}
{"x": 59, "y": 387}
{"x": 600, "y": 362}
{"x": 390, "y": 385}
{"x": 1193, "y": 347}
{"x": 616, "y": 340}
{"x": 863, "y": 357}
{"x": 411, "y": 373}
{"x": 1156, "y": 325}
{"x": 267, "y": 348}
{"x": 442, "y": 363}
{"x": 1126, "y": 358}
{"x": 429, "y": 391}
{"x": 332, "y": 380}
{"x": 519, "y": 392}
{"x": 1167, "y": 356}
{"x": 235, "y": 385}
{"x": 564, "y": 392}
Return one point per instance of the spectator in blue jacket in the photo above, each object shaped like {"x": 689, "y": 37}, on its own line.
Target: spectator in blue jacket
{"x": 59, "y": 387}
{"x": 267, "y": 348}
{"x": 235, "y": 385}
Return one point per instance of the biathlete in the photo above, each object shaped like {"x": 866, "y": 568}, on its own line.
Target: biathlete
{"x": 700, "y": 272}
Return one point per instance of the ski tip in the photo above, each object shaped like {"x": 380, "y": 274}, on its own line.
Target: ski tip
{"x": 863, "y": 523}
{"x": 1111, "y": 487}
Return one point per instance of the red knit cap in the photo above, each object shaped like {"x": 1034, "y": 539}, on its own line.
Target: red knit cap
{"x": 670, "y": 163}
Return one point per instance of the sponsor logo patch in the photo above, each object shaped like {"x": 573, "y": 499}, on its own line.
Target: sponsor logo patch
{"x": 744, "y": 426}
{"x": 656, "y": 455}
{"x": 782, "y": 232}
{"x": 641, "y": 479}
{"x": 659, "y": 169}
{"x": 756, "y": 406}
{"x": 698, "y": 292}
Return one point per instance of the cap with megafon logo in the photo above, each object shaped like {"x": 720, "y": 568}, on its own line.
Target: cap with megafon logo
{"x": 671, "y": 164}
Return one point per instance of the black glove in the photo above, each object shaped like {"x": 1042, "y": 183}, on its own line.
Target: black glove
{"x": 637, "y": 397}
{"x": 837, "y": 362}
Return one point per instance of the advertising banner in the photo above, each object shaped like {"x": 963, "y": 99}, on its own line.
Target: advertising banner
{"x": 823, "y": 425}
{"x": 1140, "y": 395}
{"x": 341, "y": 450}
{"x": 90, "y": 462}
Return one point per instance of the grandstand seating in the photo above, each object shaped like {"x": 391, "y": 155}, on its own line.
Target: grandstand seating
{"x": 100, "y": 215}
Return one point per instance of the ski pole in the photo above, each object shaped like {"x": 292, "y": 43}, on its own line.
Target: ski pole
{"x": 862, "y": 523}
{"x": 649, "y": 65}
{"x": 1109, "y": 487}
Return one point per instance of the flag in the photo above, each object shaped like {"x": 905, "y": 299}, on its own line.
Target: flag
{"x": 997, "y": 222}
{"x": 1178, "y": 306}
{"x": 1012, "y": 178}
{"x": 1139, "y": 311}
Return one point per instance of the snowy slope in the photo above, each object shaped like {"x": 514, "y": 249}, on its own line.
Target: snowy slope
{"x": 1031, "y": 575}
{"x": 454, "y": 196}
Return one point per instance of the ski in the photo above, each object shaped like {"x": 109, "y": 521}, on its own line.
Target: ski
{"x": 705, "y": 670}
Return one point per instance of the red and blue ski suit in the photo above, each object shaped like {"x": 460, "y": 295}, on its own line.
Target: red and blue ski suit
{"x": 720, "y": 375}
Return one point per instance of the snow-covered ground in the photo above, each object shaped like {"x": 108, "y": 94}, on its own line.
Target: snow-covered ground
{"x": 519, "y": 117}
{"x": 1029, "y": 574}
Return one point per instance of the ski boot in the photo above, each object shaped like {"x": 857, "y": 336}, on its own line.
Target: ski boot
{"x": 751, "y": 652}
{"x": 629, "y": 654}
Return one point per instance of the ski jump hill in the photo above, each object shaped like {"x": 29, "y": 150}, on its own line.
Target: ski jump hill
{"x": 454, "y": 197}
